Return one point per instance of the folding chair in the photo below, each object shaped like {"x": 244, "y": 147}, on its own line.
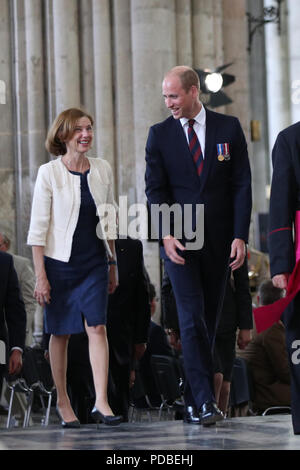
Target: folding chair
{"x": 167, "y": 381}
{"x": 36, "y": 376}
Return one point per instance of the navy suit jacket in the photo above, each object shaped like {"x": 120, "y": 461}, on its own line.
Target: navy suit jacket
{"x": 12, "y": 309}
{"x": 224, "y": 186}
{"x": 285, "y": 199}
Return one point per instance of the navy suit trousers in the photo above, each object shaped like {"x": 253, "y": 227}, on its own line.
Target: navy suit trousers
{"x": 198, "y": 312}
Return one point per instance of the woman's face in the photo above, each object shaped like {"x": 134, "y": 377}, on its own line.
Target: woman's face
{"x": 82, "y": 138}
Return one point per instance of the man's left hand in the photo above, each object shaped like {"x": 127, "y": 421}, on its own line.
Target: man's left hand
{"x": 238, "y": 252}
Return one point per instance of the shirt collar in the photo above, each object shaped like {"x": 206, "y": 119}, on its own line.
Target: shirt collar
{"x": 200, "y": 118}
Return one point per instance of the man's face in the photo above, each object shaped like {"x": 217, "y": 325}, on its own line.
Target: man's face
{"x": 2, "y": 244}
{"x": 177, "y": 100}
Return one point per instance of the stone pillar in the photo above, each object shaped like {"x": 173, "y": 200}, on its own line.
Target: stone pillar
{"x": 66, "y": 54}
{"x": 278, "y": 80}
{"x": 207, "y": 34}
{"x": 292, "y": 60}
{"x": 86, "y": 49}
{"x": 207, "y": 37}
{"x": 258, "y": 112}
{"x": 153, "y": 54}
{"x": 20, "y": 123}
{"x": 184, "y": 33}
{"x": 104, "y": 114}
{"x": 35, "y": 87}
{"x": 49, "y": 63}
{"x": 7, "y": 182}
{"x": 125, "y": 161}
{"x": 235, "y": 50}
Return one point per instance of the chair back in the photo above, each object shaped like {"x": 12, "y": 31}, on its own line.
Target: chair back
{"x": 166, "y": 377}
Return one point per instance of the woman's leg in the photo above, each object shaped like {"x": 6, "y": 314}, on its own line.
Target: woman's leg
{"x": 98, "y": 349}
{"x": 58, "y": 348}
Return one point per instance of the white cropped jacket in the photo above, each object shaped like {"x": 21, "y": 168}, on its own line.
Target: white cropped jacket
{"x": 56, "y": 204}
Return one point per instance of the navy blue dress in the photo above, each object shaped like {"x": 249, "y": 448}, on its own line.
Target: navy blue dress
{"x": 79, "y": 287}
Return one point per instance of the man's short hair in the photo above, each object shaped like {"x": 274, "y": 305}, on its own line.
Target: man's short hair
{"x": 268, "y": 293}
{"x": 5, "y": 240}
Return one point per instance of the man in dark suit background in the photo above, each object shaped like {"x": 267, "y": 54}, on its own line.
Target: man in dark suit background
{"x": 128, "y": 320}
{"x": 219, "y": 177}
{"x": 12, "y": 318}
{"x": 284, "y": 246}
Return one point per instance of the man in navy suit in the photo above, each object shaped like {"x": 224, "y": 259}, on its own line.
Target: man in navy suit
{"x": 220, "y": 180}
{"x": 12, "y": 317}
{"x": 284, "y": 244}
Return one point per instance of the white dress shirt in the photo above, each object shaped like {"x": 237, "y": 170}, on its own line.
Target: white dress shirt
{"x": 199, "y": 128}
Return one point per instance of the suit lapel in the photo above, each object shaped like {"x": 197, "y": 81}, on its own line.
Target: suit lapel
{"x": 183, "y": 149}
{"x": 210, "y": 151}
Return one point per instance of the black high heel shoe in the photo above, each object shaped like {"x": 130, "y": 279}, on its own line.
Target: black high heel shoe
{"x": 67, "y": 424}
{"x": 110, "y": 420}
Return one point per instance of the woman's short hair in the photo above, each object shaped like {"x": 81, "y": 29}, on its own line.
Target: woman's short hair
{"x": 63, "y": 129}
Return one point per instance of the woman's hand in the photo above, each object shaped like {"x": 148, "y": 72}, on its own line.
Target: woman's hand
{"x": 112, "y": 278}
{"x": 42, "y": 290}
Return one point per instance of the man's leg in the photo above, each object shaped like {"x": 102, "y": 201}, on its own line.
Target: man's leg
{"x": 196, "y": 343}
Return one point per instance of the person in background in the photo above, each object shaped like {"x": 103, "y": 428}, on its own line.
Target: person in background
{"x": 74, "y": 254}
{"x": 26, "y": 278}
{"x": 234, "y": 327}
{"x": 12, "y": 319}
{"x": 128, "y": 319}
{"x": 157, "y": 344}
{"x": 267, "y": 357}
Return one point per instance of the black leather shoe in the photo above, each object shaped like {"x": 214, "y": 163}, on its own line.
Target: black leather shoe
{"x": 67, "y": 424}
{"x": 191, "y": 416}
{"x": 210, "y": 414}
{"x": 110, "y": 420}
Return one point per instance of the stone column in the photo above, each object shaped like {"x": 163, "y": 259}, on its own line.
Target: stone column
{"x": 235, "y": 50}
{"x": 20, "y": 123}
{"x": 207, "y": 37}
{"x": 278, "y": 79}
{"x": 125, "y": 161}
{"x": 7, "y": 182}
{"x": 153, "y": 54}
{"x": 258, "y": 112}
{"x": 49, "y": 63}
{"x": 293, "y": 60}
{"x": 35, "y": 87}
{"x": 207, "y": 34}
{"x": 184, "y": 33}
{"x": 105, "y": 122}
{"x": 66, "y": 54}
{"x": 86, "y": 48}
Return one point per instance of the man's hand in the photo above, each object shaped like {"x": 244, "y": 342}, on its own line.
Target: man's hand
{"x": 139, "y": 350}
{"x": 281, "y": 280}
{"x": 170, "y": 245}
{"x": 238, "y": 252}
{"x": 15, "y": 362}
{"x": 244, "y": 338}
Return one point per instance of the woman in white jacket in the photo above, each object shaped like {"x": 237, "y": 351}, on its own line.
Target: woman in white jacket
{"x": 74, "y": 254}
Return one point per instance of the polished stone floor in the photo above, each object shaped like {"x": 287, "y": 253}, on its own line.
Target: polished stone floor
{"x": 247, "y": 433}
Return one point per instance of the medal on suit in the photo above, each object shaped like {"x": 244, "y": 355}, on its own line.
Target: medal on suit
{"x": 226, "y": 152}
{"x": 220, "y": 152}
